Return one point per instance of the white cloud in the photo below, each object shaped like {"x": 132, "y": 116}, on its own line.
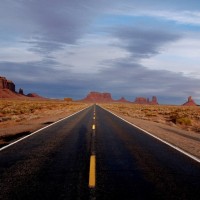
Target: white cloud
{"x": 54, "y": 42}
{"x": 18, "y": 54}
{"x": 181, "y": 56}
{"x": 183, "y": 17}
{"x": 180, "y": 16}
{"x": 90, "y": 54}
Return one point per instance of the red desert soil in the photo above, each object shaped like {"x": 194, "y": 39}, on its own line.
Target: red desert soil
{"x": 18, "y": 117}
{"x": 177, "y": 125}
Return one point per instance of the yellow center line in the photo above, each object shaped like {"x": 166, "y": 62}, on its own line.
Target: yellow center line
{"x": 93, "y": 127}
{"x": 92, "y": 173}
{"x": 93, "y": 117}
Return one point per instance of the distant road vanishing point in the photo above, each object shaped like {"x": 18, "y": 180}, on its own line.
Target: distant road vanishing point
{"x": 95, "y": 155}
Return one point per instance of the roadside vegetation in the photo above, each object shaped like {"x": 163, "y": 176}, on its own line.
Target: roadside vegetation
{"x": 21, "y": 117}
{"x": 13, "y": 111}
{"x": 185, "y": 117}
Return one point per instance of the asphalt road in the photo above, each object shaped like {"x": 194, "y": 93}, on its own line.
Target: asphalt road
{"x": 95, "y": 155}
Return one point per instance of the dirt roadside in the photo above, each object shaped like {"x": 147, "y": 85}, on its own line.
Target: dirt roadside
{"x": 14, "y": 129}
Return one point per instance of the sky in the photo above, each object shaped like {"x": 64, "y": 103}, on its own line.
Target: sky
{"x": 130, "y": 48}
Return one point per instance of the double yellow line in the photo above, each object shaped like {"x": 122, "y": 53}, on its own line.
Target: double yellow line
{"x": 92, "y": 172}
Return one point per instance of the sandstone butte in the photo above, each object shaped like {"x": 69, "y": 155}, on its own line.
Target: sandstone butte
{"x": 6, "y": 84}
{"x": 190, "y": 102}
{"x": 97, "y": 97}
{"x": 123, "y": 100}
{"x": 142, "y": 100}
{"x": 7, "y": 90}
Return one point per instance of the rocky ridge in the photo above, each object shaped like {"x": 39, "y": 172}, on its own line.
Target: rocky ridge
{"x": 6, "y": 84}
{"x": 7, "y": 90}
{"x": 97, "y": 97}
{"x": 123, "y": 100}
{"x": 142, "y": 100}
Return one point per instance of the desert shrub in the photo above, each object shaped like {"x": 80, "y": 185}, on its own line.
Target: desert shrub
{"x": 3, "y": 119}
{"x": 184, "y": 121}
{"x": 150, "y": 114}
{"x": 173, "y": 117}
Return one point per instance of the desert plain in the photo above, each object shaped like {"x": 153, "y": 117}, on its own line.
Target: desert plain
{"x": 19, "y": 117}
{"x": 178, "y": 125}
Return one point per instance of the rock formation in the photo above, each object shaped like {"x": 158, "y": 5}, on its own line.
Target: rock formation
{"x": 154, "y": 101}
{"x": 123, "y": 100}
{"x": 7, "y": 90}
{"x": 21, "y": 91}
{"x": 140, "y": 100}
{"x": 69, "y": 99}
{"x": 190, "y": 102}
{"x": 6, "y": 84}
{"x": 98, "y": 97}
{"x": 34, "y": 95}
{"x": 143, "y": 100}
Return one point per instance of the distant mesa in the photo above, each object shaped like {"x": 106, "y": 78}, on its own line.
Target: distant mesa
{"x": 143, "y": 100}
{"x": 7, "y": 90}
{"x": 140, "y": 100}
{"x": 123, "y": 100}
{"x": 154, "y": 101}
{"x": 6, "y": 84}
{"x": 21, "y": 91}
{"x": 34, "y": 95}
{"x": 98, "y": 97}
{"x": 190, "y": 102}
{"x": 68, "y": 99}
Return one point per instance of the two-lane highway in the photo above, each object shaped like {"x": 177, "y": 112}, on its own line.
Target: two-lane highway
{"x": 95, "y": 155}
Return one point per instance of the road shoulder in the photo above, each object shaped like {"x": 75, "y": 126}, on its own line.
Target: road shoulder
{"x": 185, "y": 140}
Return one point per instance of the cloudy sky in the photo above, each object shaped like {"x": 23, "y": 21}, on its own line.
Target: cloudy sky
{"x": 130, "y": 48}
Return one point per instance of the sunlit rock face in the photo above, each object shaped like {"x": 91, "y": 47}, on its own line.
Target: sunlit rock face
{"x": 6, "y": 84}
{"x": 7, "y": 90}
{"x": 190, "y": 102}
{"x": 98, "y": 97}
{"x": 122, "y": 100}
{"x": 142, "y": 100}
